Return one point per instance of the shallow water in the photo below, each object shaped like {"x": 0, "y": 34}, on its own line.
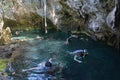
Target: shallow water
{"x": 102, "y": 63}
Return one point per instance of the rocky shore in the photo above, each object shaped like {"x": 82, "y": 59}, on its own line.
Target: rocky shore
{"x": 11, "y": 51}
{"x": 16, "y": 46}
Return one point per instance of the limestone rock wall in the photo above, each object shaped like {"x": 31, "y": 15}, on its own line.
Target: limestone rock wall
{"x": 99, "y": 18}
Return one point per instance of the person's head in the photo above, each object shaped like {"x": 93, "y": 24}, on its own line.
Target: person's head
{"x": 48, "y": 64}
{"x": 51, "y": 60}
{"x": 85, "y": 51}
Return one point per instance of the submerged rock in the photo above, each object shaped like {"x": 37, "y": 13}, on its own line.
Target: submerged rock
{"x": 2, "y": 76}
{"x": 12, "y": 49}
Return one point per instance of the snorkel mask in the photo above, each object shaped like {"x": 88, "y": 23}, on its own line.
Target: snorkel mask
{"x": 85, "y": 51}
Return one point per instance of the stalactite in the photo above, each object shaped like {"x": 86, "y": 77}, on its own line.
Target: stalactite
{"x": 111, "y": 18}
{"x": 45, "y": 14}
{"x": 1, "y": 16}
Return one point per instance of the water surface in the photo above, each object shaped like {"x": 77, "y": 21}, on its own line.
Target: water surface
{"x": 102, "y": 63}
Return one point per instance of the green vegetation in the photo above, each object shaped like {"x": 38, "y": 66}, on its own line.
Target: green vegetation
{"x": 2, "y": 64}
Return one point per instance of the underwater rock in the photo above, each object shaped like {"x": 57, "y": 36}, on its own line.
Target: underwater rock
{"x": 12, "y": 49}
{"x": 2, "y": 76}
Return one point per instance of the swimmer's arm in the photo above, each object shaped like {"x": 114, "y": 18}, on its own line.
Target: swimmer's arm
{"x": 75, "y": 58}
{"x": 84, "y": 55}
{"x": 34, "y": 68}
{"x": 74, "y": 36}
{"x": 69, "y": 52}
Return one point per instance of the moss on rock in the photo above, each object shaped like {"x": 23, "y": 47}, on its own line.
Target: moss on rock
{"x": 2, "y": 64}
{"x": 31, "y": 21}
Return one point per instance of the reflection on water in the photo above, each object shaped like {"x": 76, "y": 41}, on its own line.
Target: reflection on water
{"x": 102, "y": 63}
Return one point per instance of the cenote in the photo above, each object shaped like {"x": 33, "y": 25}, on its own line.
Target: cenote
{"x": 33, "y": 32}
{"x": 102, "y": 63}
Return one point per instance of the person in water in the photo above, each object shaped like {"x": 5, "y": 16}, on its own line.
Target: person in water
{"x": 69, "y": 39}
{"x": 47, "y": 67}
{"x": 42, "y": 66}
{"x": 79, "y": 54}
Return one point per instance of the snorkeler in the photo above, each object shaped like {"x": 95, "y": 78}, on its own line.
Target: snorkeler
{"x": 42, "y": 67}
{"x": 78, "y": 54}
{"x": 68, "y": 40}
{"x": 47, "y": 67}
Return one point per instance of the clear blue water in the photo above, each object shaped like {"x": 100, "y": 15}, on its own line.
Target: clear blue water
{"x": 102, "y": 63}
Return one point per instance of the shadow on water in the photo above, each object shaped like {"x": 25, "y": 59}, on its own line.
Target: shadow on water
{"x": 102, "y": 63}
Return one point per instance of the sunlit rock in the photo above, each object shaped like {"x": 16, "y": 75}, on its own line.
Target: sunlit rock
{"x": 1, "y": 17}
{"x": 5, "y": 36}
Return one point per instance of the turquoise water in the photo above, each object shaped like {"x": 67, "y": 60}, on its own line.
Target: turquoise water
{"x": 102, "y": 63}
